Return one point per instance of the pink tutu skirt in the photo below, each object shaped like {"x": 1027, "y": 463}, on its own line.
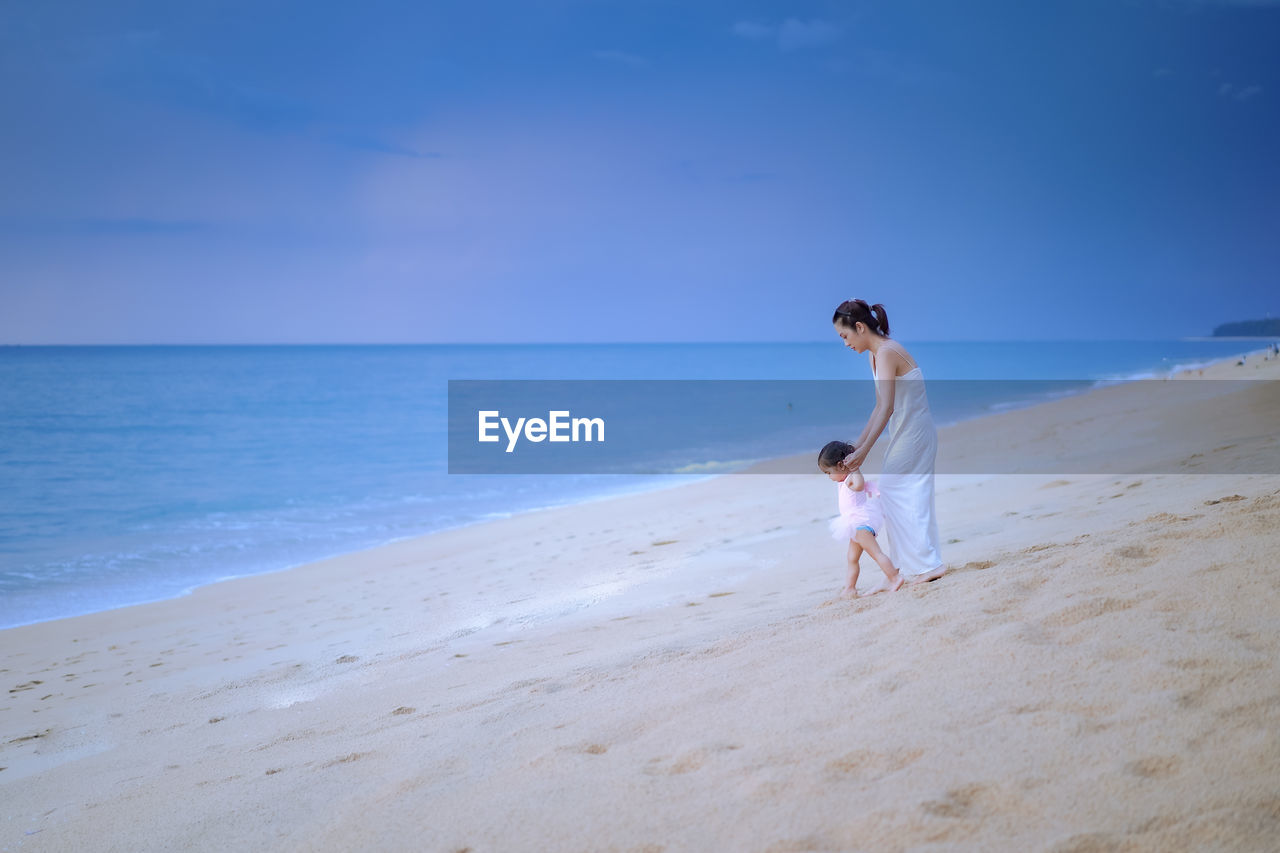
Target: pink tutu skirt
{"x": 857, "y": 509}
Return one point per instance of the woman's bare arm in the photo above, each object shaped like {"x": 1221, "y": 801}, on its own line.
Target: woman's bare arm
{"x": 886, "y": 386}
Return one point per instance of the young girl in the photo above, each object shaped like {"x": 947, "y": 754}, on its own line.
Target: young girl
{"x": 860, "y": 517}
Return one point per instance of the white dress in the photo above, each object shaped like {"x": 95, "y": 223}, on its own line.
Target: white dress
{"x": 906, "y": 479}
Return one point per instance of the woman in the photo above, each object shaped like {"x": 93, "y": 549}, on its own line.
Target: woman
{"x": 906, "y": 478}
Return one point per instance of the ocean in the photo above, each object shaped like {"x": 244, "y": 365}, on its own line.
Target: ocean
{"x": 133, "y": 474}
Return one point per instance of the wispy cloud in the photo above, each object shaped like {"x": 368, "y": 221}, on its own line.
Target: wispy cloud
{"x": 144, "y": 65}
{"x": 1239, "y": 93}
{"x": 620, "y": 57}
{"x": 791, "y": 34}
{"x": 794, "y": 34}
{"x": 753, "y": 30}
{"x": 903, "y": 69}
{"x": 90, "y": 226}
{"x": 364, "y": 142}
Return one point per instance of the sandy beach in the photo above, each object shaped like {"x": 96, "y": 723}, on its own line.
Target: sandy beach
{"x": 672, "y": 671}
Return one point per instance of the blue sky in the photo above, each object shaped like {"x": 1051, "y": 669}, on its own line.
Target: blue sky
{"x": 639, "y": 171}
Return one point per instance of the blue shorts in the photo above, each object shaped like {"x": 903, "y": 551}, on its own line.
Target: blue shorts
{"x": 870, "y": 530}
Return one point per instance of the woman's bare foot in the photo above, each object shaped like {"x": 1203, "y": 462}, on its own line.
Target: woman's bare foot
{"x": 931, "y": 576}
{"x": 886, "y": 585}
{"x": 849, "y": 592}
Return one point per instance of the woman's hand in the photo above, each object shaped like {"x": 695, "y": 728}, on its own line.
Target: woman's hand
{"x": 855, "y": 459}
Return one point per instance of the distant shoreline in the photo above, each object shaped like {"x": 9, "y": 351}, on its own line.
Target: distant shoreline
{"x": 1269, "y": 327}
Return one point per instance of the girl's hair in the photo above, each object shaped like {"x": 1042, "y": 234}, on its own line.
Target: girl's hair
{"x": 874, "y": 317}
{"x": 833, "y": 454}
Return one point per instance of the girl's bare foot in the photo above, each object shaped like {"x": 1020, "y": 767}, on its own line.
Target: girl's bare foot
{"x": 931, "y": 576}
{"x": 886, "y": 585}
{"x": 849, "y": 592}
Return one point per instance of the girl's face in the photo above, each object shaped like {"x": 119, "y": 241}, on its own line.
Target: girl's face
{"x": 838, "y": 474}
{"x": 854, "y": 337}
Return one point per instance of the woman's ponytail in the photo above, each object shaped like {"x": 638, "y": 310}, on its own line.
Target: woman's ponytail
{"x": 882, "y": 318}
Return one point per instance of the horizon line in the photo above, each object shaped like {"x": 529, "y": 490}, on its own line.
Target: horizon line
{"x": 1187, "y": 338}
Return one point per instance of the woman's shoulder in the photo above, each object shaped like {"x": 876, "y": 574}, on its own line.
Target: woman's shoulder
{"x": 893, "y": 354}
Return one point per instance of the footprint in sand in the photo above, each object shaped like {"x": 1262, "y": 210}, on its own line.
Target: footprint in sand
{"x": 346, "y": 759}
{"x": 1200, "y": 696}
{"x": 1088, "y": 842}
{"x": 687, "y": 761}
{"x": 869, "y": 766}
{"x": 1154, "y": 767}
{"x": 965, "y": 801}
{"x": 1166, "y": 518}
{"x": 1042, "y": 546}
{"x": 1077, "y": 613}
{"x": 1191, "y": 663}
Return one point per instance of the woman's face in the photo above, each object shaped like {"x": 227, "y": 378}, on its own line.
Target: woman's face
{"x": 855, "y": 337}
